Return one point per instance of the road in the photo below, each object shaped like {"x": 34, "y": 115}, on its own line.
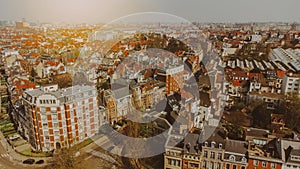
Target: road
{"x": 8, "y": 157}
{"x": 5, "y": 158}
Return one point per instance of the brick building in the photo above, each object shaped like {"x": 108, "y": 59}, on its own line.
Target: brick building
{"x": 59, "y": 118}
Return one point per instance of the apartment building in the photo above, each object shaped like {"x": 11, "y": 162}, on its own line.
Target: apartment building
{"x": 235, "y": 155}
{"x": 174, "y": 78}
{"x": 60, "y": 117}
{"x": 290, "y": 83}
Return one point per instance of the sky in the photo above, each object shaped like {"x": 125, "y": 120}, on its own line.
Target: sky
{"x": 104, "y": 11}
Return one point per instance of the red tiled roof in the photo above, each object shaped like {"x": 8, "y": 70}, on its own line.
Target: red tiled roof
{"x": 280, "y": 73}
{"x": 239, "y": 74}
{"x": 256, "y": 75}
{"x": 51, "y": 63}
{"x": 236, "y": 83}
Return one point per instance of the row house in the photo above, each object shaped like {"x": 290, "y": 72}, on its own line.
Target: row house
{"x": 235, "y": 156}
{"x": 265, "y": 85}
{"x": 151, "y": 93}
{"x": 219, "y": 152}
{"x": 271, "y": 99}
{"x": 117, "y": 101}
{"x": 110, "y": 103}
{"x": 173, "y": 153}
{"x": 264, "y": 156}
{"x": 290, "y": 153}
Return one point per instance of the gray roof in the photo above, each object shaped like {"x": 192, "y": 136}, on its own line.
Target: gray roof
{"x": 236, "y": 146}
{"x": 60, "y": 94}
{"x": 295, "y": 152}
{"x": 191, "y": 144}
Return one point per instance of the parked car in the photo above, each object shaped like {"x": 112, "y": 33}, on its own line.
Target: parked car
{"x": 40, "y": 162}
{"x": 29, "y": 161}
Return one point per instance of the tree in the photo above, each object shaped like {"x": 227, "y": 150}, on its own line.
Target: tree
{"x": 291, "y": 110}
{"x": 261, "y": 116}
{"x": 66, "y": 159}
{"x": 32, "y": 74}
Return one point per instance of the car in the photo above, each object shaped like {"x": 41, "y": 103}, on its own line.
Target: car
{"x": 29, "y": 161}
{"x": 40, "y": 162}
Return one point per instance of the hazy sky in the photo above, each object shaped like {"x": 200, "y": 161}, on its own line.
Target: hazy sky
{"x": 95, "y": 11}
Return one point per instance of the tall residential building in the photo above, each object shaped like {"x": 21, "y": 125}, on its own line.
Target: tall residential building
{"x": 290, "y": 83}
{"x": 174, "y": 78}
{"x": 60, "y": 118}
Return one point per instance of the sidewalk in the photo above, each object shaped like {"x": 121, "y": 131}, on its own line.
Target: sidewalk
{"x": 17, "y": 158}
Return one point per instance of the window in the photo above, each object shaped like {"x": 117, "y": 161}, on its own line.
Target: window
{"x": 43, "y": 109}
{"x": 211, "y": 165}
{"x": 219, "y": 166}
{"x": 169, "y": 161}
{"x": 227, "y": 166}
{"x": 205, "y": 144}
{"x": 54, "y": 116}
{"x": 204, "y": 164}
{"x": 194, "y": 165}
{"x": 205, "y": 154}
{"x": 264, "y": 164}
{"x": 219, "y": 156}
{"x": 213, "y": 144}
{"x": 220, "y": 145}
{"x": 255, "y": 163}
{"x": 234, "y": 167}
{"x": 174, "y": 162}
{"x": 212, "y": 154}
{"x": 43, "y": 117}
{"x": 244, "y": 159}
{"x": 273, "y": 165}
{"x": 56, "y": 133}
{"x": 232, "y": 157}
{"x": 53, "y": 109}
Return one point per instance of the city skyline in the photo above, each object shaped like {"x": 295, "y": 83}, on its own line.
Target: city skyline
{"x": 93, "y": 11}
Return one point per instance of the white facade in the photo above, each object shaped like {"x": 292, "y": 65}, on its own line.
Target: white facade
{"x": 290, "y": 84}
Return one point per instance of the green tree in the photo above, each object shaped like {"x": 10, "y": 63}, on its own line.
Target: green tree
{"x": 32, "y": 74}
{"x": 291, "y": 110}
{"x": 261, "y": 116}
{"x": 66, "y": 159}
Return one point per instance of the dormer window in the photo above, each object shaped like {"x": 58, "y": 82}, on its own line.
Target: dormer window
{"x": 220, "y": 145}
{"x": 244, "y": 160}
{"x": 188, "y": 147}
{"x": 232, "y": 158}
{"x": 213, "y": 144}
{"x": 206, "y": 144}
